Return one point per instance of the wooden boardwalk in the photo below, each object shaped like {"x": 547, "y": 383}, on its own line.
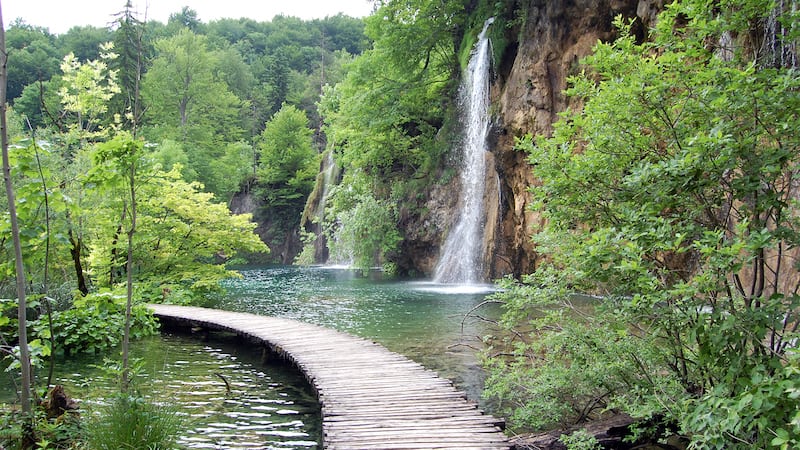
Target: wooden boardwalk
{"x": 371, "y": 398}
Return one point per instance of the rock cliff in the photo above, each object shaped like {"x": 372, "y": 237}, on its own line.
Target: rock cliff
{"x": 527, "y": 97}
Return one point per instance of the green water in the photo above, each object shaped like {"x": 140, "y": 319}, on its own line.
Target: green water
{"x": 423, "y": 321}
{"x": 269, "y": 406}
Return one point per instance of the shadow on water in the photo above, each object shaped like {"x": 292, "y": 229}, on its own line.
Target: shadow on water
{"x": 422, "y": 320}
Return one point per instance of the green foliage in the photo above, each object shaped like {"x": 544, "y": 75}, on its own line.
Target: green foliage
{"x": 385, "y": 120}
{"x": 37, "y": 178}
{"x": 133, "y": 422}
{"x": 670, "y": 195}
{"x": 189, "y": 102}
{"x": 286, "y": 171}
{"x": 183, "y": 236}
{"x": 580, "y": 440}
{"x": 385, "y": 115}
{"x": 37, "y": 100}
{"x": 503, "y": 13}
{"x": 571, "y": 358}
{"x": 359, "y": 227}
{"x": 233, "y": 167}
{"x": 306, "y": 256}
{"x": 288, "y": 163}
{"x": 86, "y": 90}
{"x": 94, "y": 323}
{"x": 34, "y": 57}
{"x": 170, "y": 155}
{"x": 762, "y": 406}
{"x": 62, "y": 432}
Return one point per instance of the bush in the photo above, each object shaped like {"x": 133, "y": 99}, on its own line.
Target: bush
{"x": 64, "y": 431}
{"x": 580, "y": 440}
{"x": 95, "y": 323}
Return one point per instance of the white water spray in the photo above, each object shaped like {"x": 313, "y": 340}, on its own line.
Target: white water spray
{"x": 461, "y": 258}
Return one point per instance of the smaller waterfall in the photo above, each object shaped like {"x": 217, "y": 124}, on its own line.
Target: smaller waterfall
{"x": 329, "y": 174}
{"x": 781, "y": 49}
{"x": 461, "y": 257}
{"x": 315, "y": 250}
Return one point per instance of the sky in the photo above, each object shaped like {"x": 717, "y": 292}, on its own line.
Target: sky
{"x": 60, "y": 15}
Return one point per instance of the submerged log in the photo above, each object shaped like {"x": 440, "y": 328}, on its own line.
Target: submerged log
{"x": 58, "y": 402}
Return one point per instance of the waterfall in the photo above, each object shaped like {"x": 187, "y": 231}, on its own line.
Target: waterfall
{"x": 314, "y": 215}
{"x": 329, "y": 174}
{"x": 461, "y": 257}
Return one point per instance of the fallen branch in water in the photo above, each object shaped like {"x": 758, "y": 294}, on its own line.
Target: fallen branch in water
{"x": 227, "y": 385}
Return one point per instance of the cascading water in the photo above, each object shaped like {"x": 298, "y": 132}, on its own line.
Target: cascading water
{"x": 329, "y": 174}
{"x": 335, "y": 255}
{"x": 461, "y": 258}
{"x": 781, "y": 48}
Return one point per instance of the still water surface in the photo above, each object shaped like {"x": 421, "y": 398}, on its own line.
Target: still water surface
{"x": 421, "y": 320}
{"x": 268, "y": 406}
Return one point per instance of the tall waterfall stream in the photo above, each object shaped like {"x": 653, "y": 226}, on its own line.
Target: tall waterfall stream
{"x": 461, "y": 257}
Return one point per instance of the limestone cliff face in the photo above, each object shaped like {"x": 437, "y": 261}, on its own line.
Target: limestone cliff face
{"x": 284, "y": 244}
{"x": 528, "y": 96}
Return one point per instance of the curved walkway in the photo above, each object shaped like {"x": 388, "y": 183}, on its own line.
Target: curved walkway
{"x": 371, "y": 398}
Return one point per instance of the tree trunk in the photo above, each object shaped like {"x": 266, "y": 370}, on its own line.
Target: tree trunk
{"x": 25, "y": 359}
{"x": 129, "y": 270}
{"x": 75, "y": 251}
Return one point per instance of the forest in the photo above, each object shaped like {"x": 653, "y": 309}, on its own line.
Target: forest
{"x": 665, "y": 281}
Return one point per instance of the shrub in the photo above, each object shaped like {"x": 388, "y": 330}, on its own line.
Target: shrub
{"x": 95, "y": 323}
{"x": 133, "y": 422}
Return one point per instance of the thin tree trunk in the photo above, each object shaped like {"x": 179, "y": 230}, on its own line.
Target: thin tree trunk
{"x": 75, "y": 250}
{"x": 25, "y": 359}
{"x": 129, "y": 270}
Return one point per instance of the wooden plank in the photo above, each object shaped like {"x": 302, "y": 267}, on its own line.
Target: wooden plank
{"x": 371, "y": 398}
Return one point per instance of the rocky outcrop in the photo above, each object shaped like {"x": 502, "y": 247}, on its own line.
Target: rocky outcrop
{"x": 283, "y": 241}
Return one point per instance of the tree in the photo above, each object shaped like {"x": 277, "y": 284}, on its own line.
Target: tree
{"x": 183, "y": 237}
{"x": 186, "y": 18}
{"x": 188, "y": 102}
{"x": 124, "y": 154}
{"x": 85, "y": 42}
{"x": 35, "y": 57}
{"x": 360, "y": 228}
{"x": 40, "y": 103}
{"x": 287, "y": 168}
{"x": 129, "y": 64}
{"x": 670, "y": 195}
{"x": 287, "y": 160}
{"x": 86, "y": 90}
{"x": 24, "y": 355}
